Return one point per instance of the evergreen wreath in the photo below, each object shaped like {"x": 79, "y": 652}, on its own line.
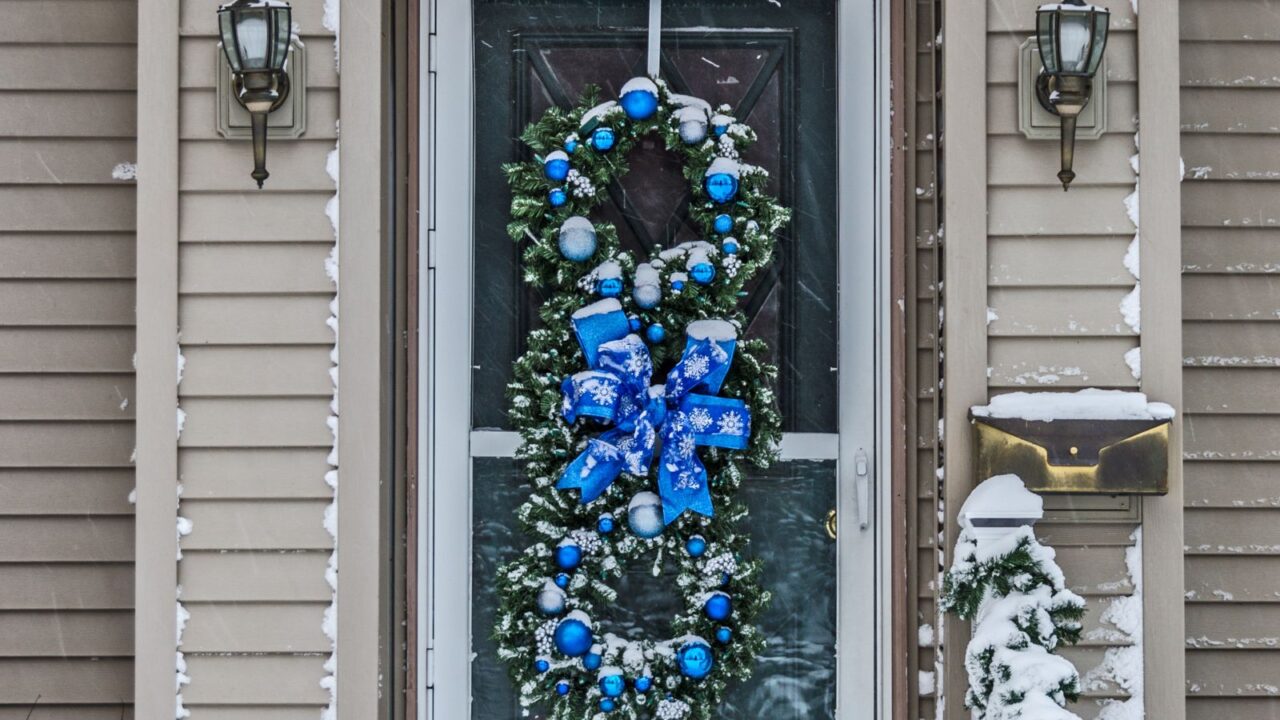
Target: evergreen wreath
{"x": 589, "y": 420}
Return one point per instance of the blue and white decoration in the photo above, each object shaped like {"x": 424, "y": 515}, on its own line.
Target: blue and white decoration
{"x": 639, "y": 98}
{"x": 577, "y": 239}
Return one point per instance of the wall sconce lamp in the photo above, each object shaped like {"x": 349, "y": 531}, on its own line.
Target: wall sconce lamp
{"x": 255, "y": 38}
{"x": 1072, "y": 37}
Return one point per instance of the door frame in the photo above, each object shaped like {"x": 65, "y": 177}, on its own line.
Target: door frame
{"x": 445, "y": 111}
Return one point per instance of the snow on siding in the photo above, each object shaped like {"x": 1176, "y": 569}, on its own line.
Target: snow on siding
{"x": 1124, "y": 665}
{"x": 184, "y": 527}
{"x": 330, "y": 622}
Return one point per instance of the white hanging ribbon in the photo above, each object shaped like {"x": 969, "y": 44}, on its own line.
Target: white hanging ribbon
{"x": 655, "y": 36}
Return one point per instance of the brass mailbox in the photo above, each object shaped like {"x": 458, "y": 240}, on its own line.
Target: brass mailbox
{"x": 1088, "y": 457}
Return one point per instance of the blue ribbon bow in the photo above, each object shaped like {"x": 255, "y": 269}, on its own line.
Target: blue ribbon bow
{"x": 616, "y": 391}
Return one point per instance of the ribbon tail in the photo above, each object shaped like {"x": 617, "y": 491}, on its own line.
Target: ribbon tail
{"x": 593, "y": 471}
{"x": 683, "y": 486}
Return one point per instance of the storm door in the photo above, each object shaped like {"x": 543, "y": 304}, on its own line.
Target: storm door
{"x": 498, "y": 66}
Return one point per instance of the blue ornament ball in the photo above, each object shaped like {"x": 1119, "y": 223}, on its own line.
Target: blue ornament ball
{"x": 542, "y": 666}
{"x": 603, "y": 139}
{"x": 643, "y": 683}
{"x": 607, "y": 705}
{"x": 695, "y": 659}
{"x": 592, "y": 661}
{"x": 725, "y": 579}
{"x": 721, "y": 187}
{"x": 551, "y": 600}
{"x": 562, "y": 688}
{"x": 729, "y": 246}
{"x": 571, "y": 144}
{"x": 719, "y": 606}
{"x": 557, "y": 197}
{"x": 639, "y": 98}
{"x": 647, "y": 296}
{"x": 633, "y": 322}
{"x": 613, "y": 685}
{"x": 609, "y": 287}
{"x": 696, "y": 545}
{"x": 724, "y": 635}
{"x": 605, "y": 524}
{"x": 568, "y": 556}
{"x": 723, "y": 223}
{"x": 677, "y": 285}
{"x": 644, "y": 515}
{"x": 655, "y": 333}
{"x": 556, "y": 166}
{"x": 562, "y": 580}
{"x": 573, "y": 637}
{"x": 720, "y": 124}
{"x": 577, "y": 239}
{"x": 703, "y": 273}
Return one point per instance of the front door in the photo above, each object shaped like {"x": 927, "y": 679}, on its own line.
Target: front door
{"x": 498, "y": 65}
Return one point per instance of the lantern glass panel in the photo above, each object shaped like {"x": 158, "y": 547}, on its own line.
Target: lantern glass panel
{"x": 252, "y": 38}
{"x": 1101, "y": 23}
{"x": 226, "y": 26}
{"x": 284, "y": 33}
{"x": 1047, "y": 36}
{"x": 1075, "y": 30}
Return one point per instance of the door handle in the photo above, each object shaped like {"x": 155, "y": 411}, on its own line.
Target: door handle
{"x": 862, "y": 485}
{"x": 830, "y": 524}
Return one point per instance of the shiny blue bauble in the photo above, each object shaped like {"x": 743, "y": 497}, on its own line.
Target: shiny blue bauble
{"x": 723, "y": 223}
{"x": 557, "y": 197}
{"x": 577, "y": 239}
{"x": 562, "y": 688}
{"x": 655, "y": 333}
{"x": 725, "y": 579}
{"x": 724, "y": 635}
{"x": 571, "y": 144}
{"x": 719, "y": 606}
{"x": 703, "y": 273}
{"x": 562, "y": 581}
{"x": 603, "y": 139}
{"x": 677, "y": 285}
{"x": 647, "y": 296}
{"x": 720, "y": 124}
{"x": 633, "y": 322}
{"x": 695, "y": 659}
{"x": 610, "y": 287}
{"x": 721, "y": 187}
{"x": 613, "y": 685}
{"x": 729, "y": 246}
{"x": 605, "y": 524}
{"x": 639, "y": 104}
{"x": 607, "y": 705}
{"x": 573, "y": 638}
{"x": 696, "y": 545}
{"x": 644, "y": 514}
{"x": 556, "y": 166}
{"x": 592, "y": 661}
{"x": 644, "y": 683}
{"x": 568, "y": 557}
{"x": 542, "y": 666}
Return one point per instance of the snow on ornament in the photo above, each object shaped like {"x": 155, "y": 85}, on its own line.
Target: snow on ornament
{"x": 573, "y": 635}
{"x": 612, "y": 683}
{"x": 571, "y": 143}
{"x": 551, "y": 599}
{"x": 648, "y": 289}
{"x": 695, "y": 659}
{"x": 700, "y": 267}
{"x": 639, "y": 98}
{"x": 729, "y": 246}
{"x": 568, "y": 554}
{"x": 577, "y": 239}
{"x": 691, "y": 123}
{"x": 557, "y": 197}
{"x": 720, "y": 123}
{"x": 696, "y": 545}
{"x": 603, "y": 139}
{"x": 721, "y": 180}
{"x": 556, "y": 166}
{"x": 718, "y": 606}
{"x": 644, "y": 514}
{"x": 609, "y": 279}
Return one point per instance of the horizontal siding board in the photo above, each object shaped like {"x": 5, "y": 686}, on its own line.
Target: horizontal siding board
{"x": 254, "y": 576}
{"x": 1233, "y": 578}
{"x": 256, "y": 525}
{"x": 1216, "y": 64}
{"x": 93, "y": 491}
{"x": 255, "y": 628}
{"x": 1232, "y": 437}
{"x": 1234, "y": 626}
{"x": 68, "y": 208}
{"x": 63, "y": 161}
{"x": 1232, "y": 484}
{"x": 1014, "y": 160}
{"x": 1015, "y": 16}
{"x": 68, "y": 67}
{"x": 55, "y": 114}
{"x": 66, "y": 397}
{"x": 1229, "y": 20}
{"x": 66, "y": 349}
{"x": 1229, "y": 203}
{"x": 1023, "y": 363}
{"x": 1231, "y": 344}
{"x": 66, "y": 586}
{"x": 1211, "y": 158}
{"x": 256, "y": 680}
{"x": 66, "y": 444}
{"x": 197, "y": 117}
{"x": 1057, "y": 312}
{"x": 254, "y": 268}
{"x": 46, "y": 711}
{"x": 59, "y": 22}
{"x": 1215, "y": 391}
{"x": 66, "y": 539}
{"x": 256, "y": 422}
{"x": 247, "y": 473}
{"x": 250, "y": 215}
{"x": 1235, "y": 111}
{"x": 66, "y": 302}
{"x": 1234, "y": 251}
{"x": 260, "y": 320}
{"x": 1049, "y": 211}
{"x": 1233, "y": 531}
{"x": 256, "y": 371}
{"x": 78, "y": 680}
{"x": 1237, "y": 297}
{"x": 36, "y": 256}
{"x": 88, "y": 633}
{"x": 215, "y": 165}
{"x": 1058, "y": 261}
{"x": 1235, "y": 673}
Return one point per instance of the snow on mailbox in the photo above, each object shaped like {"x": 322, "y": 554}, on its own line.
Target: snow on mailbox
{"x": 1096, "y": 442}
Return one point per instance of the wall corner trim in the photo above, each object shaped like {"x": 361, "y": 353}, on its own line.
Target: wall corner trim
{"x": 156, "y": 458}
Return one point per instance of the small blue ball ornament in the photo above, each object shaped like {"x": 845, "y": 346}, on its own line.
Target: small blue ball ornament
{"x": 721, "y": 187}
{"x": 609, "y": 287}
{"x": 605, "y": 524}
{"x": 729, "y": 246}
{"x": 695, "y": 659}
{"x": 603, "y": 139}
{"x": 556, "y": 166}
{"x": 571, "y": 144}
{"x": 720, "y": 124}
{"x": 573, "y": 637}
{"x": 696, "y": 545}
{"x": 557, "y": 197}
{"x": 677, "y": 285}
{"x": 639, "y": 98}
{"x": 643, "y": 683}
{"x": 644, "y": 514}
{"x": 568, "y": 556}
{"x": 719, "y": 606}
{"x": 724, "y": 635}
{"x": 725, "y": 579}
{"x": 613, "y": 685}
{"x": 592, "y": 661}
{"x": 577, "y": 239}
{"x": 562, "y": 580}
{"x": 542, "y": 666}
{"x": 723, "y": 223}
{"x": 655, "y": 333}
{"x": 633, "y": 322}
{"x": 607, "y": 705}
{"x": 562, "y": 688}
{"x": 703, "y": 273}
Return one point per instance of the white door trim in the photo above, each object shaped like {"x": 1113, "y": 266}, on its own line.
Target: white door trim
{"x": 448, "y": 443}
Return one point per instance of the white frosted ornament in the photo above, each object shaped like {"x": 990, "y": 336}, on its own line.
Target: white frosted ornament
{"x": 551, "y": 599}
{"x": 692, "y": 124}
{"x": 577, "y": 239}
{"x": 648, "y": 290}
{"x": 644, "y": 515}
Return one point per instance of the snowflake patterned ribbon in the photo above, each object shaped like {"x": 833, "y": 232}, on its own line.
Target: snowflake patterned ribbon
{"x": 616, "y": 391}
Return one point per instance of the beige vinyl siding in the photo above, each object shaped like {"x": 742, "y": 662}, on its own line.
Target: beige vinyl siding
{"x": 67, "y": 77}
{"x": 1231, "y": 349}
{"x": 1056, "y": 273}
{"x": 253, "y": 304}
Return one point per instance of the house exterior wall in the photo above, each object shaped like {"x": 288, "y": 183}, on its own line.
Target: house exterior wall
{"x": 67, "y": 73}
{"x": 1231, "y": 343}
